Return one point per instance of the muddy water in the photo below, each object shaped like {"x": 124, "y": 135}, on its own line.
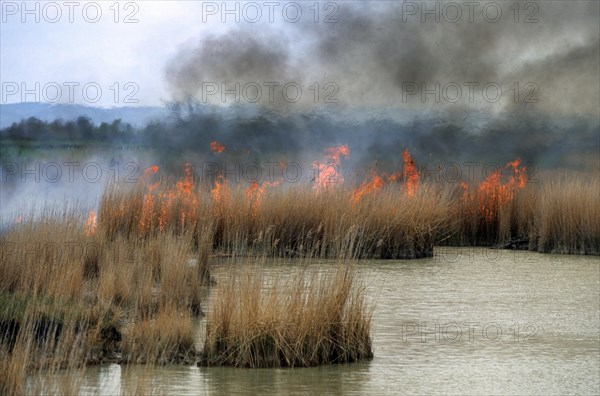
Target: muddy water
{"x": 467, "y": 321}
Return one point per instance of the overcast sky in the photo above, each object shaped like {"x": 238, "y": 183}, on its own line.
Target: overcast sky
{"x": 104, "y": 52}
{"x": 376, "y": 55}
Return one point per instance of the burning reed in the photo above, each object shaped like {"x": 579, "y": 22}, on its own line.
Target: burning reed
{"x": 268, "y": 219}
{"x": 558, "y": 213}
{"x": 390, "y": 216}
{"x": 305, "y": 320}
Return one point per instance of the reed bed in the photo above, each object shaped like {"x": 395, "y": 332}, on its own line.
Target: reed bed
{"x": 124, "y": 284}
{"x": 69, "y": 299}
{"x": 568, "y": 216}
{"x": 304, "y": 320}
{"x": 284, "y": 222}
{"x": 557, "y": 213}
{"x": 479, "y": 220}
{"x": 73, "y": 293}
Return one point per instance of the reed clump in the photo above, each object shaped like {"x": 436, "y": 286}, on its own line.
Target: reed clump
{"x": 305, "y": 320}
{"x": 568, "y": 216}
{"x": 557, "y": 212}
{"x": 168, "y": 337}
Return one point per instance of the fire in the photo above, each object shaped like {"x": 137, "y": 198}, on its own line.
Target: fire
{"x": 217, "y": 147}
{"x": 494, "y": 193}
{"x": 220, "y": 192}
{"x": 165, "y": 209}
{"x": 148, "y": 174}
{"x": 151, "y": 170}
{"x": 90, "y": 224}
{"x": 183, "y": 192}
{"x": 184, "y": 186}
{"x": 255, "y": 192}
{"x": 148, "y": 200}
{"x": 146, "y": 216}
{"x": 410, "y": 174}
{"x": 186, "y": 192}
{"x": 377, "y": 182}
{"x": 328, "y": 173}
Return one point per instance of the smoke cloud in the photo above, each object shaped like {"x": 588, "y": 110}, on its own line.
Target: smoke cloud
{"x": 375, "y": 51}
{"x": 396, "y": 70}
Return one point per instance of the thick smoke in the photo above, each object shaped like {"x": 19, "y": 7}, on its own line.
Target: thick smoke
{"x": 544, "y": 142}
{"x": 375, "y": 49}
{"x": 374, "y": 53}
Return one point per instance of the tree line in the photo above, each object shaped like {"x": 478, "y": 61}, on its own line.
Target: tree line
{"x": 81, "y": 129}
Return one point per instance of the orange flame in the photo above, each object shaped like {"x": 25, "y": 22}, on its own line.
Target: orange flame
{"x": 184, "y": 186}
{"x": 410, "y": 174}
{"x": 185, "y": 189}
{"x": 148, "y": 200}
{"x": 148, "y": 173}
{"x": 255, "y": 192}
{"x": 90, "y": 224}
{"x": 146, "y": 216}
{"x": 327, "y": 173}
{"x": 494, "y": 194}
{"x": 188, "y": 199}
{"x": 165, "y": 209}
{"x": 183, "y": 212}
{"x": 220, "y": 192}
{"x": 377, "y": 182}
{"x": 217, "y": 147}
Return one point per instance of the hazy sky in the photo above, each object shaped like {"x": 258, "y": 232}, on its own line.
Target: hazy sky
{"x": 376, "y": 54}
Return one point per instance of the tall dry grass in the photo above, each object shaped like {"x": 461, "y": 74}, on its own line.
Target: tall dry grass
{"x": 69, "y": 299}
{"x": 555, "y": 213}
{"x": 305, "y": 320}
{"x": 568, "y": 215}
{"x": 559, "y": 212}
{"x": 286, "y": 222}
{"x": 480, "y": 221}
{"x": 71, "y": 296}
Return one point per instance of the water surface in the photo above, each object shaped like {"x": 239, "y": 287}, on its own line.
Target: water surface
{"x": 468, "y": 321}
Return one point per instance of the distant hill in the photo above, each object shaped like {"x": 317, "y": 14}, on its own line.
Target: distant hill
{"x": 136, "y": 116}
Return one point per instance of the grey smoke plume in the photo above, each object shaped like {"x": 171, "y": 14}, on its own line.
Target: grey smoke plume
{"x": 549, "y": 117}
{"x": 376, "y": 48}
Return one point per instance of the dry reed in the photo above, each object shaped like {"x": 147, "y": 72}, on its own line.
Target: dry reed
{"x": 305, "y": 320}
{"x": 69, "y": 299}
{"x": 292, "y": 222}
